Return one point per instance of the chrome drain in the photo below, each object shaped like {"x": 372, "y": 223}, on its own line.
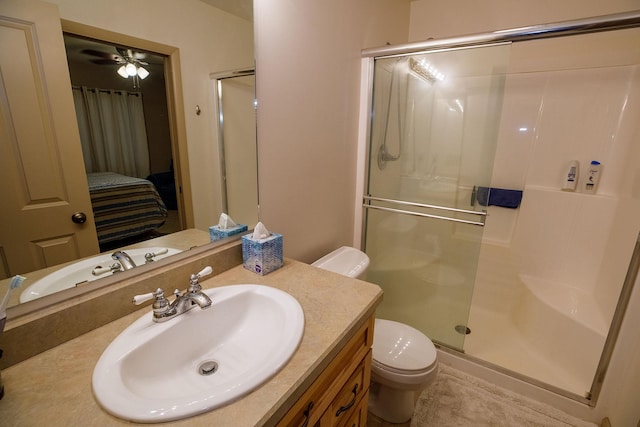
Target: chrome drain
{"x": 208, "y": 367}
{"x": 462, "y": 329}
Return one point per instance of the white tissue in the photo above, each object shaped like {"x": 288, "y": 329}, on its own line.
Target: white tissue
{"x": 260, "y": 232}
{"x": 225, "y": 222}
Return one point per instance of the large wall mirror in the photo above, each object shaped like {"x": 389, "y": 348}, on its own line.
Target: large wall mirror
{"x": 142, "y": 145}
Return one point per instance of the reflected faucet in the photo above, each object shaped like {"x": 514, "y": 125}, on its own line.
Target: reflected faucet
{"x": 124, "y": 259}
{"x": 163, "y": 310}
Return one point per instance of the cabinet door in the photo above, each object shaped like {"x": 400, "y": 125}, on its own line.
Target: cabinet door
{"x": 334, "y": 388}
{"x": 41, "y": 166}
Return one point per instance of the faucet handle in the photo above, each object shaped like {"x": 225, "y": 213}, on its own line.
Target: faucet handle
{"x": 149, "y": 257}
{"x": 193, "y": 280}
{"x": 139, "y": 299}
{"x": 114, "y": 268}
{"x": 205, "y": 272}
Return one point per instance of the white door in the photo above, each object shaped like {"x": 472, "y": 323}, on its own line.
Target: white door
{"x": 42, "y": 173}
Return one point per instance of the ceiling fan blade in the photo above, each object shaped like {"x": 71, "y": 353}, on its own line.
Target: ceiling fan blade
{"x": 104, "y": 61}
{"x": 130, "y": 54}
{"x": 123, "y": 51}
{"x": 99, "y": 54}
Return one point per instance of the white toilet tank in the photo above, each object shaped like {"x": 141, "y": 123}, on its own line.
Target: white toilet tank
{"x": 346, "y": 260}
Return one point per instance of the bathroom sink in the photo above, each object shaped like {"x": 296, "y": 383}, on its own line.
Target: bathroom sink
{"x": 202, "y": 359}
{"x": 80, "y": 273}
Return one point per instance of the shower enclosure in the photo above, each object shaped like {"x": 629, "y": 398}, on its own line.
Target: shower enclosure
{"x": 469, "y": 232}
{"x": 234, "y": 93}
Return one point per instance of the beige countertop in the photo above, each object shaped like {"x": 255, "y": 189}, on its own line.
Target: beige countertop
{"x": 54, "y": 387}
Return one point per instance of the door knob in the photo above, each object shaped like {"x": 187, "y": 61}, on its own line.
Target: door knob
{"x": 79, "y": 217}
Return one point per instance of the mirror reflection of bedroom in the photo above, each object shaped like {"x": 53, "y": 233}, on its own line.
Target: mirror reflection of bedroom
{"x": 121, "y": 106}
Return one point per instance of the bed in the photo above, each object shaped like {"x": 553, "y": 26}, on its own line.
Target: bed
{"x": 124, "y": 206}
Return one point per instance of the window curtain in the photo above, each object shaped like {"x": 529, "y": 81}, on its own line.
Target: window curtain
{"x": 112, "y": 131}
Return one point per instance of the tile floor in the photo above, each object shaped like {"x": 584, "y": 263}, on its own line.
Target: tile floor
{"x": 373, "y": 421}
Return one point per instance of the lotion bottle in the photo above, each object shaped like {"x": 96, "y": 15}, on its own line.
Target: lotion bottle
{"x": 593, "y": 176}
{"x": 571, "y": 178}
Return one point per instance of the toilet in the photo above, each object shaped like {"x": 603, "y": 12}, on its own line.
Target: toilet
{"x": 404, "y": 359}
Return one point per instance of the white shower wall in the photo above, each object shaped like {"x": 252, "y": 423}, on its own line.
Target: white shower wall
{"x": 571, "y": 98}
{"x": 550, "y": 273}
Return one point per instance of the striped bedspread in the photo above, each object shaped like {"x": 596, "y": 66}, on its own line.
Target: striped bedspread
{"x": 124, "y": 206}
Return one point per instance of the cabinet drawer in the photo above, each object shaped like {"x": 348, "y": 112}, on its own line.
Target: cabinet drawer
{"x": 359, "y": 416}
{"x": 311, "y": 406}
{"x": 347, "y": 401}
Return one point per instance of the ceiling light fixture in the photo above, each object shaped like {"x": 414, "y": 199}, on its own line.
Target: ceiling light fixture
{"x": 133, "y": 68}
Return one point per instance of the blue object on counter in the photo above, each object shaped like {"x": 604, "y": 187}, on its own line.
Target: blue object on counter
{"x": 490, "y": 196}
{"x": 262, "y": 256}
{"x": 216, "y": 233}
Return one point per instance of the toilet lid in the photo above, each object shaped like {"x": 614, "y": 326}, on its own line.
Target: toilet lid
{"x": 401, "y": 347}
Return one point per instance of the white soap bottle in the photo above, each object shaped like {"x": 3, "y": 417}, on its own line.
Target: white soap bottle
{"x": 571, "y": 178}
{"x": 593, "y": 176}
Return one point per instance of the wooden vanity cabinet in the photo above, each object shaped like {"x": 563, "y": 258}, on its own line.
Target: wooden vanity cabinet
{"x": 339, "y": 396}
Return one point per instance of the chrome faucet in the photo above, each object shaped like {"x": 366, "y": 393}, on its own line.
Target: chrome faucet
{"x": 124, "y": 259}
{"x": 163, "y": 310}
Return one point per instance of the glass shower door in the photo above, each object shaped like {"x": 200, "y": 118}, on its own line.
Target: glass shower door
{"x": 433, "y": 135}
{"x": 237, "y": 142}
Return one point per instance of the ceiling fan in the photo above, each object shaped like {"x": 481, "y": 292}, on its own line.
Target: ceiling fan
{"x": 131, "y": 62}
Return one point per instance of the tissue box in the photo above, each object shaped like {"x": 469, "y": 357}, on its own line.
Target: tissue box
{"x": 218, "y": 234}
{"x": 262, "y": 256}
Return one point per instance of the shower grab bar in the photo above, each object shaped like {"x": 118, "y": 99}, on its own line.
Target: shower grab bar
{"x": 424, "y": 215}
{"x": 423, "y": 205}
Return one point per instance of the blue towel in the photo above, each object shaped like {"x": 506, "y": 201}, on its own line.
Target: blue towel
{"x": 489, "y": 196}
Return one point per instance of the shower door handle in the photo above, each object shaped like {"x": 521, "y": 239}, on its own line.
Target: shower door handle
{"x": 482, "y": 214}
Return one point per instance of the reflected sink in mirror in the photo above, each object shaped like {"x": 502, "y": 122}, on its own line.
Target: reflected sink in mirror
{"x": 85, "y": 271}
{"x": 202, "y": 359}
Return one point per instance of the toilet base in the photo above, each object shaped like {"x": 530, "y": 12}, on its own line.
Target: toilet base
{"x": 391, "y": 405}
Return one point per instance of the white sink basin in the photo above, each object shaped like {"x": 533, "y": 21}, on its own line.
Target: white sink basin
{"x": 80, "y": 272}
{"x": 151, "y": 372}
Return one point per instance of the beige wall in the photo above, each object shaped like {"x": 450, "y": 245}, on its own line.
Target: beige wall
{"x": 209, "y": 41}
{"x": 308, "y": 77}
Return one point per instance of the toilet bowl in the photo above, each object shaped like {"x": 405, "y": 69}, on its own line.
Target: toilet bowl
{"x": 404, "y": 359}
{"x": 404, "y": 363}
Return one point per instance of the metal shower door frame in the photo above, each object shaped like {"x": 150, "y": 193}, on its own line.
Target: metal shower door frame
{"x": 217, "y": 79}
